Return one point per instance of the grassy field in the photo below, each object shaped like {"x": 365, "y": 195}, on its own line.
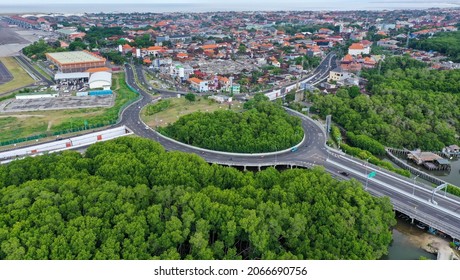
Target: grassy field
{"x": 180, "y": 107}
{"x": 26, "y": 124}
{"x": 20, "y": 76}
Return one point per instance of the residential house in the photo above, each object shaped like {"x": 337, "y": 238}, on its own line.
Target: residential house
{"x": 338, "y": 74}
{"x": 388, "y": 43}
{"x": 314, "y": 51}
{"x": 358, "y": 48}
{"x": 181, "y": 71}
{"x": 224, "y": 83}
{"x": 325, "y": 31}
{"x": 154, "y": 50}
{"x": 182, "y": 56}
{"x": 198, "y": 85}
{"x": 369, "y": 62}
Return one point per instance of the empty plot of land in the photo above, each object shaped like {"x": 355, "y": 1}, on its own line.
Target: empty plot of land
{"x": 5, "y": 75}
{"x": 18, "y": 124}
{"x": 58, "y": 103}
{"x": 180, "y": 107}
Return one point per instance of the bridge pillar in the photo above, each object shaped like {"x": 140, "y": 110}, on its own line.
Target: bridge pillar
{"x": 291, "y": 166}
{"x": 245, "y": 168}
{"x": 259, "y": 167}
{"x": 412, "y": 221}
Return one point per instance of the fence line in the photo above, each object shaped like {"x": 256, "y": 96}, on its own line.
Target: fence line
{"x": 412, "y": 169}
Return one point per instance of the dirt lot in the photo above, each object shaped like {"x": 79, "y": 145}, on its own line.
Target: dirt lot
{"x": 57, "y": 103}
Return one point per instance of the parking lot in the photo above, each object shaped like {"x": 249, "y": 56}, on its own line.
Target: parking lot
{"x": 57, "y": 103}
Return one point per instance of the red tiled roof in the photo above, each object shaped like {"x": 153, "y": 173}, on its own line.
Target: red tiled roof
{"x": 356, "y": 46}
{"x": 213, "y": 46}
{"x": 195, "y": 80}
{"x": 99, "y": 69}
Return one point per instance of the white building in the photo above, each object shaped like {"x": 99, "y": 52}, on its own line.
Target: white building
{"x": 198, "y": 85}
{"x": 338, "y": 75}
{"x": 357, "y": 49}
{"x": 181, "y": 71}
{"x": 100, "y": 80}
{"x": 36, "y": 95}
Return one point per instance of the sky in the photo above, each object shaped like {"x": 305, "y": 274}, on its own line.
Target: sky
{"x": 35, "y": 2}
{"x": 47, "y": 6}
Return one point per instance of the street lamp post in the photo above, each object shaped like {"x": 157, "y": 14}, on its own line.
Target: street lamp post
{"x": 367, "y": 175}
{"x": 413, "y": 189}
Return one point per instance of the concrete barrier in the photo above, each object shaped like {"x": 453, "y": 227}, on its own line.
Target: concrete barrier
{"x": 65, "y": 144}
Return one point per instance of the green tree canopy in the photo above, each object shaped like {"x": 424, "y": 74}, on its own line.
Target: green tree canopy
{"x": 129, "y": 199}
{"x": 264, "y": 127}
{"x": 409, "y": 106}
{"x": 447, "y": 43}
{"x": 190, "y": 97}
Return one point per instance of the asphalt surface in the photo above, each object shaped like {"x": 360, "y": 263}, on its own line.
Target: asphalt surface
{"x": 58, "y": 103}
{"x": 411, "y": 199}
{"x": 31, "y": 69}
{"x": 164, "y": 92}
{"x": 5, "y": 75}
{"x": 9, "y": 36}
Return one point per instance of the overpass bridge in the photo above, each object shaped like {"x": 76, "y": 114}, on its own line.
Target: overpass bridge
{"x": 407, "y": 197}
{"x": 414, "y": 200}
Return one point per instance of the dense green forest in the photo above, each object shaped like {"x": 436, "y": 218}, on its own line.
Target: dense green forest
{"x": 409, "y": 106}
{"x": 264, "y": 127}
{"x": 38, "y": 49}
{"x": 129, "y": 199}
{"x": 447, "y": 43}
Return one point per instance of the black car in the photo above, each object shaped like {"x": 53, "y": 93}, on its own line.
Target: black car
{"x": 344, "y": 173}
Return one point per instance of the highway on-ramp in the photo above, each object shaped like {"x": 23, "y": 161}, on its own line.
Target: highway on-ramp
{"x": 407, "y": 197}
{"x": 412, "y": 199}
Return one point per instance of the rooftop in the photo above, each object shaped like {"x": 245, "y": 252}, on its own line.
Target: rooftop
{"x": 74, "y": 57}
{"x": 76, "y": 75}
{"x": 356, "y": 46}
{"x": 425, "y": 156}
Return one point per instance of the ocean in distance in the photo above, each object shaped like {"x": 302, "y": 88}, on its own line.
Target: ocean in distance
{"x": 271, "y": 5}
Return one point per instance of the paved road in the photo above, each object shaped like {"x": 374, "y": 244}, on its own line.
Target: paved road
{"x": 409, "y": 198}
{"x": 5, "y": 75}
{"x": 322, "y": 71}
{"x": 31, "y": 69}
{"x": 443, "y": 216}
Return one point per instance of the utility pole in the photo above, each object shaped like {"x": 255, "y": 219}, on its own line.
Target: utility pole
{"x": 367, "y": 175}
{"x": 407, "y": 41}
{"x": 413, "y": 190}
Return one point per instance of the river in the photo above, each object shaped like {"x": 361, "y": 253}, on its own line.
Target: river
{"x": 407, "y": 243}
{"x": 452, "y": 176}
{"x": 408, "y": 239}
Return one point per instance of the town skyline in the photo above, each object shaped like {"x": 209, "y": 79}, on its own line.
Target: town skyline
{"x": 160, "y": 6}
